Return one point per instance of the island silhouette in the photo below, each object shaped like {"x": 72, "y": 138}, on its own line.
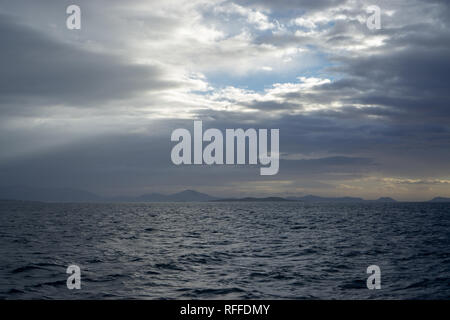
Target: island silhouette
{"x": 26, "y": 193}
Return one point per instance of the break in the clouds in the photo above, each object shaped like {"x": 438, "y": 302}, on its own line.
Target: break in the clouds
{"x": 361, "y": 112}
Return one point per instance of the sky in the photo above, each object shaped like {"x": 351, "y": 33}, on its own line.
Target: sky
{"x": 361, "y": 112}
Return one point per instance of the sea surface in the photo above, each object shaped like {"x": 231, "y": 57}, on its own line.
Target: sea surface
{"x": 225, "y": 250}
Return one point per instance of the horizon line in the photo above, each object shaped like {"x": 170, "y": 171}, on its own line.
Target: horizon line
{"x": 286, "y": 197}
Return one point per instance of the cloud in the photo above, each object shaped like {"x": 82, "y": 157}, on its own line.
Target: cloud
{"x": 353, "y": 105}
{"x": 416, "y": 181}
{"x": 39, "y": 71}
{"x": 292, "y": 4}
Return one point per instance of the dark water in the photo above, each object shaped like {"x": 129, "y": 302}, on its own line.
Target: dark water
{"x": 225, "y": 250}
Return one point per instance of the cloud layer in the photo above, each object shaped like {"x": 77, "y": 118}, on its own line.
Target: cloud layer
{"x": 361, "y": 112}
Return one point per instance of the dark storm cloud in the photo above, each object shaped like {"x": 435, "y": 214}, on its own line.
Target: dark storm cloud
{"x": 37, "y": 70}
{"x": 413, "y": 82}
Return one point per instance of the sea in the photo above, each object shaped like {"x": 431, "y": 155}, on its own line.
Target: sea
{"x": 224, "y": 250}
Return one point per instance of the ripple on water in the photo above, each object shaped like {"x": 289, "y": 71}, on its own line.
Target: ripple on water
{"x": 225, "y": 250}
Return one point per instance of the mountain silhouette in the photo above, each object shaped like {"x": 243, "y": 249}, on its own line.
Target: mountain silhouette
{"x": 26, "y": 193}
{"x": 440, "y": 199}
{"x": 385, "y": 199}
{"x": 312, "y": 198}
{"x": 251, "y": 199}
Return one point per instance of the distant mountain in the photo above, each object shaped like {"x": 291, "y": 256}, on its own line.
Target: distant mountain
{"x": 48, "y": 194}
{"x": 250, "y": 199}
{"x": 190, "y": 195}
{"x": 76, "y": 195}
{"x": 440, "y": 199}
{"x": 311, "y": 198}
